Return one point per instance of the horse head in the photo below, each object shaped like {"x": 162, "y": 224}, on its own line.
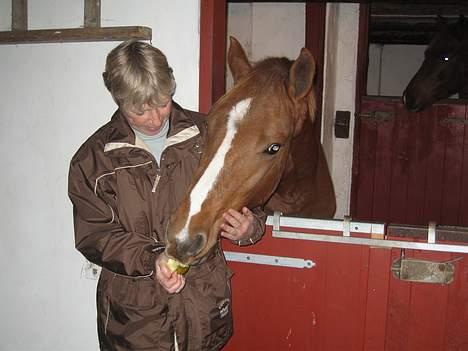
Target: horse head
{"x": 443, "y": 70}
{"x": 249, "y": 136}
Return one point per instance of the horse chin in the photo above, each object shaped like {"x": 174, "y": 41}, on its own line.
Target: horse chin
{"x": 414, "y": 106}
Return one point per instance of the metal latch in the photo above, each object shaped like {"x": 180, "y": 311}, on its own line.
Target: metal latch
{"x": 414, "y": 270}
{"x": 268, "y": 260}
{"x": 378, "y": 116}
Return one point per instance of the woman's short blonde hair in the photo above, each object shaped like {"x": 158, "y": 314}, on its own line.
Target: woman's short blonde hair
{"x": 138, "y": 74}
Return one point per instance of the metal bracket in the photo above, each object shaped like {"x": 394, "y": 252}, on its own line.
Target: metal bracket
{"x": 268, "y": 260}
{"x": 347, "y": 226}
{"x": 276, "y": 220}
{"x": 422, "y": 271}
{"x": 431, "y": 233}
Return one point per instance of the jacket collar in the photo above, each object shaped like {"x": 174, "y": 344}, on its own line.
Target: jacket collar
{"x": 121, "y": 135}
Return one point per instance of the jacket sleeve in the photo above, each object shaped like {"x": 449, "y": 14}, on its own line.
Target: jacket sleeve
{"x": 99, "y": 235}
{"x": 259, "y": 228}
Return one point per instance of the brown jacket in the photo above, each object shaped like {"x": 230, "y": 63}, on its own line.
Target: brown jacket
{"x": 122, "y": 200}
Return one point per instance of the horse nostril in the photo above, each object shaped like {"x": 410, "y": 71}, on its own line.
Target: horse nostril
{"x": 190, "y": 246}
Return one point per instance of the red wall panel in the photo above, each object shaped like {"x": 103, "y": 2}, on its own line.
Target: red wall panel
{"x": 349, "y": 300}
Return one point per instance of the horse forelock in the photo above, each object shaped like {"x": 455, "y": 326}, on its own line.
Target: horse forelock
{"x": 207, "y": 181}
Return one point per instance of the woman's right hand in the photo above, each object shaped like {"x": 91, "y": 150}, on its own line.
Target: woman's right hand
{"x": 171, "y": 281}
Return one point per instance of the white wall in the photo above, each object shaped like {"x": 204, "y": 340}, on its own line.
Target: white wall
{"x": 52, "y": 98}
{"x": 391, "y": 67}
{"x": 339, "y": 93}
{"x": 267, "y": 29}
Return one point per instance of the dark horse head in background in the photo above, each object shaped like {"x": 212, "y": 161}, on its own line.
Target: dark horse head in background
{"x": 444, "y": 71}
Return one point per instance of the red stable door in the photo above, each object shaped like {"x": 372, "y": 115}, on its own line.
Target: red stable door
{"x": 303, "y": 295}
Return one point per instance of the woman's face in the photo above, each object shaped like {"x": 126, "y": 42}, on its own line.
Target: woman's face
{"x": 151, "y": 120}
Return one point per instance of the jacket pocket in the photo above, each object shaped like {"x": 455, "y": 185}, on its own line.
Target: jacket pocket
{"x": 130, "y": 292}
{"x": 208, "y": 307}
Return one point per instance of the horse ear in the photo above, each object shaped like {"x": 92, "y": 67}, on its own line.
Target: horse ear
{"x": 301, "y": 79}
{"x": 237, "y": 60}
{"x": 301, "y": 75}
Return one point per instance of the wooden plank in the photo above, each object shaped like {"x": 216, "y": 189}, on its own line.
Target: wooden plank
{"x": 383, "y": 163}
{"x": 435, "y": 161}
{"x": 345, "y": 307}
{"x": 453, "y": 165}
{"x": 400, "y": 167}
{"x": 456, "y": 325}
{"x": 315, "y": 14}
{"x": 19, "y": 15}
{"x": 398, "y": 319}
{"x": 377, "y": 296}
{"x": 463, "y": 211}
{"x": 364, "y": 177}
{"x": 278, "y": 308}
{"x": 92, "y": 13}
{"x": 361, "y": 89}
{"x": 427, "y": 309}
{"x": 444, "y": 233}
{"x": 417, "y": 157}
{"x": 212, "y": 83}
{"x": 75, "y": 35}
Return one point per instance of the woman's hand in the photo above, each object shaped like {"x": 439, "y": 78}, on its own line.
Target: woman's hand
{"x": 171, "y": 281}
{"x": 237, "y": 226}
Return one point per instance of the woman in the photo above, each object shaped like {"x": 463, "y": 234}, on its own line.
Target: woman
{"x": 124, "y": 183}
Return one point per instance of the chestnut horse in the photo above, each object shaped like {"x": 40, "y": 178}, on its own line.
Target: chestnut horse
{"x": 260, "y": 139}
{"x": 444, "y": 71}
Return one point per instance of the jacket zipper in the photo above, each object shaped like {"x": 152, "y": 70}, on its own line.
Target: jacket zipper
{"x": 156, "y": 182}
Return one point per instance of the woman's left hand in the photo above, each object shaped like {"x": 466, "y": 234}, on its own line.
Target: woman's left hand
{"x": 237, "y": 226}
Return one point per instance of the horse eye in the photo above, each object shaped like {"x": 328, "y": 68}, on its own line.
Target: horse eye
{"x": 273, "y": 149}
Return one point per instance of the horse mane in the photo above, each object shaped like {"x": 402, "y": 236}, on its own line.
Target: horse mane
{"x": 269, "y": 73}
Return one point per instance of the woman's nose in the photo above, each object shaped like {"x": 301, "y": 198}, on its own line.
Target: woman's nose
{"x": 155, "y": 115}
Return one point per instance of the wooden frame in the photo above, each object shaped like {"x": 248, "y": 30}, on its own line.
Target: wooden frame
{"x": 92, "y": 30}
{"x": 213, "y": 31}
{"x": 361, "y": 85}
{"x": 212, "y": 78}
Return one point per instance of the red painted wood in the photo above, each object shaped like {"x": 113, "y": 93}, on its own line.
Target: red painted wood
{"x": 383, "y": 163}
{"x": 456, "y": 325}
{"x": 278, "y": 308}
{"x": 377, "y": 297}
{"x": 417, "y": 171}
{"x": 364, "y": 179}
{"x": 414, "y": 168}
{"x": 427, "y": 309}
{"x": 453, "y": 165}
{"x": 463, "y": 211}
{"x": 315, "y": 14}
{"x": 345, "y": 298}
{"x": 212, "y": 52}
{"x": 361, "y": 91}
{"x": 348, "y": 301}
{"x": 435, "y": 162}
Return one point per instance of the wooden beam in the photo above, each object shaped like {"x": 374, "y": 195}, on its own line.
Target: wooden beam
{"x": 212, "y": 52}
{"x": 315, "y": 17}
{"x": 19, "y": 15}
{"x": 75, "y": 35}
{"x": 92, "y": 13}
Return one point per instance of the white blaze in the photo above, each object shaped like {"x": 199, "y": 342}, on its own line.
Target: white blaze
{"x": 208, "y": 179}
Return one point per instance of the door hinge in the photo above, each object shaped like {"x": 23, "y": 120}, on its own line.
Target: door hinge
{"x": 268, "y": 260}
